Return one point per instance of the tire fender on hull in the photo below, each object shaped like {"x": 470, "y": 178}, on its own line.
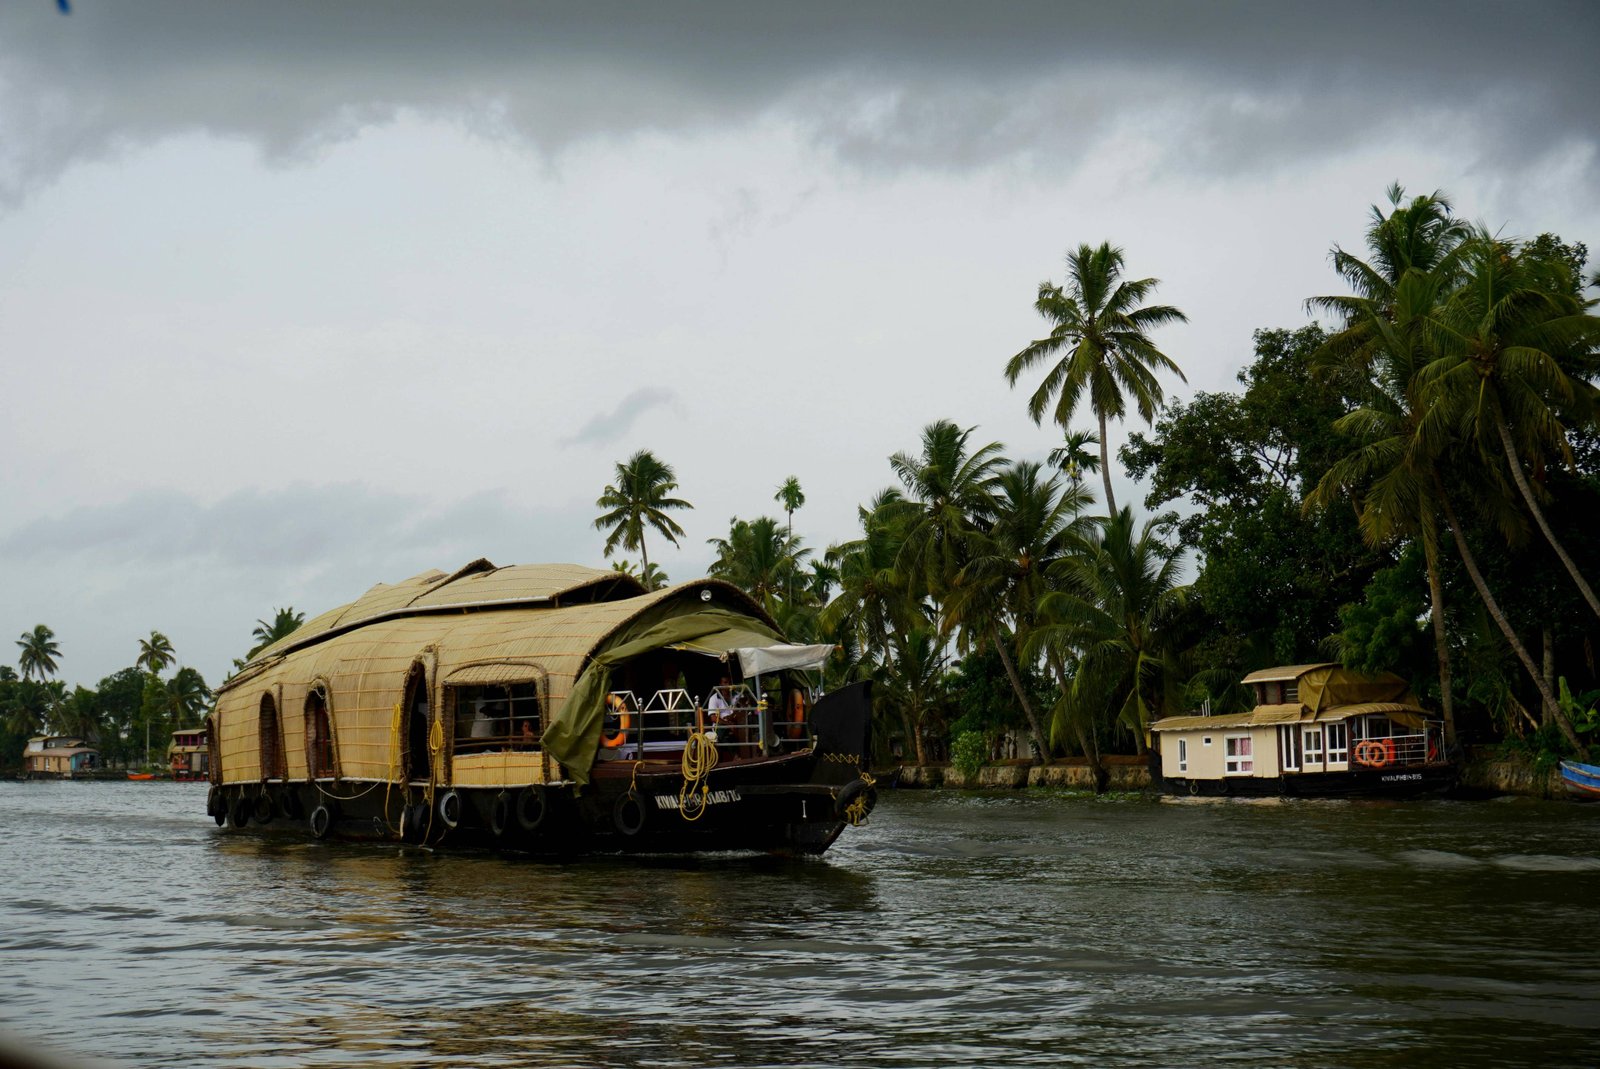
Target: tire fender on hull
{"x": 628, "y": 814}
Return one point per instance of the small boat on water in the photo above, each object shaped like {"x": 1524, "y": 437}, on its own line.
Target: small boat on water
{"x": 1317, "y": 730}
{"x": 1582, "y": 780}
{"x": 141, "y": 775}
{"x": 546, "y": 708}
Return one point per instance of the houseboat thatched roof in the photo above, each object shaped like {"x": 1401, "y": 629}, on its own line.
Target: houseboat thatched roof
{"x": 1324, "y": 692}
{"x": 482, "y": 625}
{"x": 477, "y": 585}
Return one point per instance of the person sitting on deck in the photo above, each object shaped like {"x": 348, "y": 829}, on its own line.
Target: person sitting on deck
{"x": 718, "y": 706}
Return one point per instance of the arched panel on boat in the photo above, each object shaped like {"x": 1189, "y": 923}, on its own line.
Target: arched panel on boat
{"x": 270, "y": 756}
{"x": 322, "y": 753}
{"x": 418, "y": 711}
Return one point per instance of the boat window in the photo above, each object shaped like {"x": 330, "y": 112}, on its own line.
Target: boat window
{"x": 319, "y": 737}
{"x": 1183, "y": 755}
{"x": 1338, "y": 744}
{"x": 1289, "y": 747}
{"x": 1313, "y": 741}
{"x": 1291, "y": 691}
{"x": 1239, "y": 754}
{"x": 496, "y": 717}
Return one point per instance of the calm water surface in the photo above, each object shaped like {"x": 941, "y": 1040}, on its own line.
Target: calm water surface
{"x": 955, "y": 930}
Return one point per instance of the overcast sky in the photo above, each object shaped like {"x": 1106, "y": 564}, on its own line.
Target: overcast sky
{"x": 300, "y": 297}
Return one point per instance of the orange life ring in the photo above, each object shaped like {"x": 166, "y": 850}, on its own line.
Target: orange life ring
{"x": 616, "y": 709}
{"x": 1374, "y": 753}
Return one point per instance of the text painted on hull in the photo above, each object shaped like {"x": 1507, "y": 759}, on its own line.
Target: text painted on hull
{"x": 670, "y": 801}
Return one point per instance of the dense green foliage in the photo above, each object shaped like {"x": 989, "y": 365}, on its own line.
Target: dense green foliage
{"x": 1404, "y": 487}
{"x": 129, "y": 716}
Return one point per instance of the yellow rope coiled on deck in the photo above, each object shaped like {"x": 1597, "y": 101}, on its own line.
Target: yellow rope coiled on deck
{"x": 699, "y": 758}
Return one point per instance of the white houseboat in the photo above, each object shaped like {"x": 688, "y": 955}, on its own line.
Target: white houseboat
{"x": 1317, "y": 730}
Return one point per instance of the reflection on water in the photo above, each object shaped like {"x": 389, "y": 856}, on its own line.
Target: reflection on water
{"x": 1014, "y": 929}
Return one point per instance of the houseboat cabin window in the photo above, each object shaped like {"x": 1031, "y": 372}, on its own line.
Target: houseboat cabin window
{"x": 1289, "y": 747}
{"x": 319, "y": 737}
{"x": 1183, "y": 755}
{"x": 1206, "y": 741}
{"x": 497, "y": 717}
{"x": 1239, "y": 756}
{"x": 1338, "y": 744}
{"x": 1291, "y": 692}
{"x": 1313, "y": 741}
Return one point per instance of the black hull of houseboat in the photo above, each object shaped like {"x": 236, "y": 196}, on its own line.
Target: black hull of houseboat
{"x": 795, "y": 804}
{"x": 1363, "y": 783}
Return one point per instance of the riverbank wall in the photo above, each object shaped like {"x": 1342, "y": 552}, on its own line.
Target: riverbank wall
{"x": 1486, "y": 772}
{"x": 1122, "y": 774}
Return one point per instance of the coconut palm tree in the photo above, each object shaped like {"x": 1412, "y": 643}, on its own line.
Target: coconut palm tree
{"x": 637, "y": 500}
{"x": 284, "y": 623}
{"x": 1076, "y": 457}
{"x": 1390, "y": 471}
{"x": 1100, "y": 332}
{"x": 39, "y": 652}
{"x": 791, "y": 497}
{"x": 655, "y": 580}
{"x": 1505, "y": 342}
{"x": 1398, "y": 338}
{"x": 155, "y": 653}
{"x": 758, "y": 558}
{"x": 873, "y": 601}
{"x": 1118, "y": 607}
{"x": 188, "y": 696}
{"x": 1035, "y": 522}
{"x": 948, "y": 495}
{"x": 913, "y": 668}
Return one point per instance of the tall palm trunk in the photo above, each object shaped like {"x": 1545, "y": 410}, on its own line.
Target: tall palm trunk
{"x": 1105, "y": 467}
{"x": 1551, "y": 706}
{"x": 1441, "y": 642}
{"x": 913, "y": 725}
{"x": 644, "y": 555}
{"x": 1521, "y": 479}
{"x": 1022, "y": 695}
{"x": 1086, "y": 740}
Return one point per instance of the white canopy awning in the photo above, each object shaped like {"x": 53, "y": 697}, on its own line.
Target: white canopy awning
{"x": 759, "y": 660}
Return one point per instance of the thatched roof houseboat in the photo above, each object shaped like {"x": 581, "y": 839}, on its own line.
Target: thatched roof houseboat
{"x": 546, "y": 707}
{"x": 1316, "y": 730}
{"x": 58, "y": 757}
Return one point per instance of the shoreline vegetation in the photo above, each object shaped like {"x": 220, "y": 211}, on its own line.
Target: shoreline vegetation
{"x": 1404, "y": 484}
{"x": 1486, "y": 771}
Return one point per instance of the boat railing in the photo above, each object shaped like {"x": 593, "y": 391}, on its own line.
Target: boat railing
{"x": 659, "y": 726}
{"x": 1380, "y": 751}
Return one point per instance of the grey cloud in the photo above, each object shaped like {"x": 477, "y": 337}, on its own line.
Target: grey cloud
{"x": 884, "y": 85}
{"x": 295, "y": 528}
{"x": 611, "y": 426}
{"x": 203, "y": 573}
